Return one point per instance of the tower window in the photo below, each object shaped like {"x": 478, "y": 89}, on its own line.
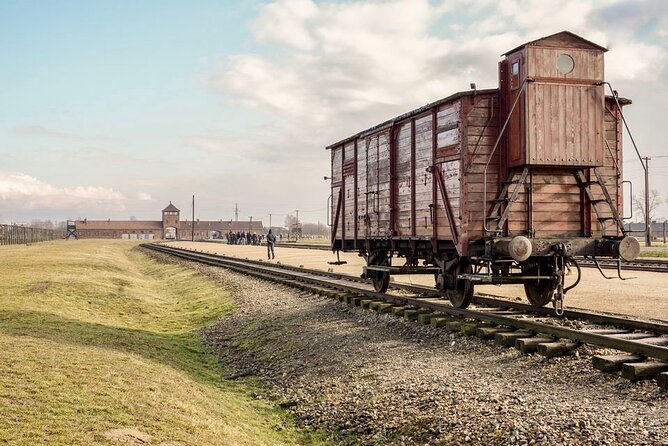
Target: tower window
{"x": 565, "y": 63}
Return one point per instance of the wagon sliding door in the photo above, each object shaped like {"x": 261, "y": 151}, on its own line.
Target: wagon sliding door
{"x": 413, "y": 184}
{"x": 337, "y": 195}
{"x": 404, "y": 180}
{"x": 377, "y": 201}
{"x": 446, "y": 193}
{"x": 349, "y": 192}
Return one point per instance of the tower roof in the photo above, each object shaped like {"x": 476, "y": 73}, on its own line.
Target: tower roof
{"x": 170, "y": 208}
{"x": 560, "y": 39}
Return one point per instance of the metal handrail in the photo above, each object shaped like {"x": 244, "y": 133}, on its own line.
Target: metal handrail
{"x": 491, "y": 155}
{"x": 329, "y": 205}
{"x": 624, "y": 217}
{"x": 613, "y": 93}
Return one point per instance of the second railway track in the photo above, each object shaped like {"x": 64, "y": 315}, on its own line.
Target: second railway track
{"x": 642, "y": 345}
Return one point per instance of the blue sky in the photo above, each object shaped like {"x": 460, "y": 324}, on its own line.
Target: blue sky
{"x": 114, "y": 108}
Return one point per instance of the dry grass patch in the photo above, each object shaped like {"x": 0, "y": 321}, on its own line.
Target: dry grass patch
{"x": 99, "y": 346}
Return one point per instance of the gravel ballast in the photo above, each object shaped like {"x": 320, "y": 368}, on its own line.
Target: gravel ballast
{"x": 371, "y": 379}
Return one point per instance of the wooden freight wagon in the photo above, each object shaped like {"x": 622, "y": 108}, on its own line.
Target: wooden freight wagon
{"x": 506, "y": 185}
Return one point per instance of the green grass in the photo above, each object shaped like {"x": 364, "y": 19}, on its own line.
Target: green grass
{"x": 654, "y": 253}
{"x": 95, "y": 337}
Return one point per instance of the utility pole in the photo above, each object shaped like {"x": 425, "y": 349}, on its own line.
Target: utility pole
{"x": 270, "y": 220}
{"x": 297, "y": 228}
{"x": 250, "y": 229}
{"x": 193, "y": 231}
{"x": 236, "y": 212}
{"x": 648, "y": 224}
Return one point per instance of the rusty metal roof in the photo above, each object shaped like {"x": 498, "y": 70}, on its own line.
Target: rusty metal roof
{"x": 412, "y": 113}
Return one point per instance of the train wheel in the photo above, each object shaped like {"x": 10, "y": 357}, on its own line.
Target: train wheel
{"x": 381, "y": 281}
{"x": 540, "y": 293}
{"x": 462, "y": 295}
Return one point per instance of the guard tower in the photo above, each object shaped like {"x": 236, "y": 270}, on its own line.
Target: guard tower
{"x": 170, "y": 222}
{"x": 71, "y": 230}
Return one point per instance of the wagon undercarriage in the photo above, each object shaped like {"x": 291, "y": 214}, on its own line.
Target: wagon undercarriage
{"x": 541, "y": 265}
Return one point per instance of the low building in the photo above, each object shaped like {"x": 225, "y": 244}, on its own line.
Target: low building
{"x": 169, "y": 228}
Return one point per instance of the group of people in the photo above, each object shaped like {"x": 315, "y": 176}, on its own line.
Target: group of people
{"x": 247, "y": 238}
{"x": 244, "y": 238}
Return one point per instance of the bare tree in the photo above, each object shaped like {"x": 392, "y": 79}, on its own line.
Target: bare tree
{"x": 639, "y": 204}
{"x": 290, "y": 221}
{"x": 315, "y": 229}
{"x": 42, "y": 224}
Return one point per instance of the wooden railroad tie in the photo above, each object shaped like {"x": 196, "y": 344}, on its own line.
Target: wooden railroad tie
{"x": 471, "y": 328}
{"x": 398, "y": 311}
{"x": 508, "y": 339}
{"x": 425, "y": 319}
{"x": 558, "y": 348}
{"x": 530, "y": 345}
{"x": 613, "y": 363}
{"x": 440, "y": 321}
{"x": 412, "y": 315}
{"x": 643, "y": 370}
{"x": 453, "y": 325}
{"x": 491, "y": 332}
{"x": 662, "y": 380}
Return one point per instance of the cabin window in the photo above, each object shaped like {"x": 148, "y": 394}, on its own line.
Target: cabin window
{"x": 565, "y": 63}
{"x": 515, "y": 74}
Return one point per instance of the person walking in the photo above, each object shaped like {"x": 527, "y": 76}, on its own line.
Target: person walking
{"x": 271, "y": 240}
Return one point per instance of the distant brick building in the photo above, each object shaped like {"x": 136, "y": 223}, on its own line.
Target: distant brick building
{"x": 170, "y": 227}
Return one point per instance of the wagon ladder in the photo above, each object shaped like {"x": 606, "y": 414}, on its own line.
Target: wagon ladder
{"x": 587, "y": 188}
{"x": 502, "y": 198}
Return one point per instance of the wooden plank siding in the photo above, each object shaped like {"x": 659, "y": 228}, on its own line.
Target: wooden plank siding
{"x": 403, "y": 180}
{"x": 423, "y": 178}
{"x": 349, "y": 195}
{"x": 362, "y": 189}
{"x": 389, "y": 176}
{"x": 337, "y": 181}
{"x": 481, "y": 132}
{"x": 564, "y": 111}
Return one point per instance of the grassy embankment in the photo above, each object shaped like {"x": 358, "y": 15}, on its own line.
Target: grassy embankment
{"x": 99, "y": 346}
{"x": 658, "y": 249}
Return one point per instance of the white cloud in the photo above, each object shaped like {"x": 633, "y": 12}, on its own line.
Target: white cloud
{"x": 286, "y": 23}
{"x": 21, "y": 192}
{"x": 330, "y": 69}
{"x": 144, "y": 196}
{"x": 335, "y": 68}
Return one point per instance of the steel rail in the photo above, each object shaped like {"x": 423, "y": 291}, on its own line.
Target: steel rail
{"x": 488, "y": 299}
{"x": 650, "y": 265}
{"x": 519, "y": 321}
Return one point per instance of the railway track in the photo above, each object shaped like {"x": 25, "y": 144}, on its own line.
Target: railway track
{"x": 652, "y": 265}
{"x": 642, "y": 346}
